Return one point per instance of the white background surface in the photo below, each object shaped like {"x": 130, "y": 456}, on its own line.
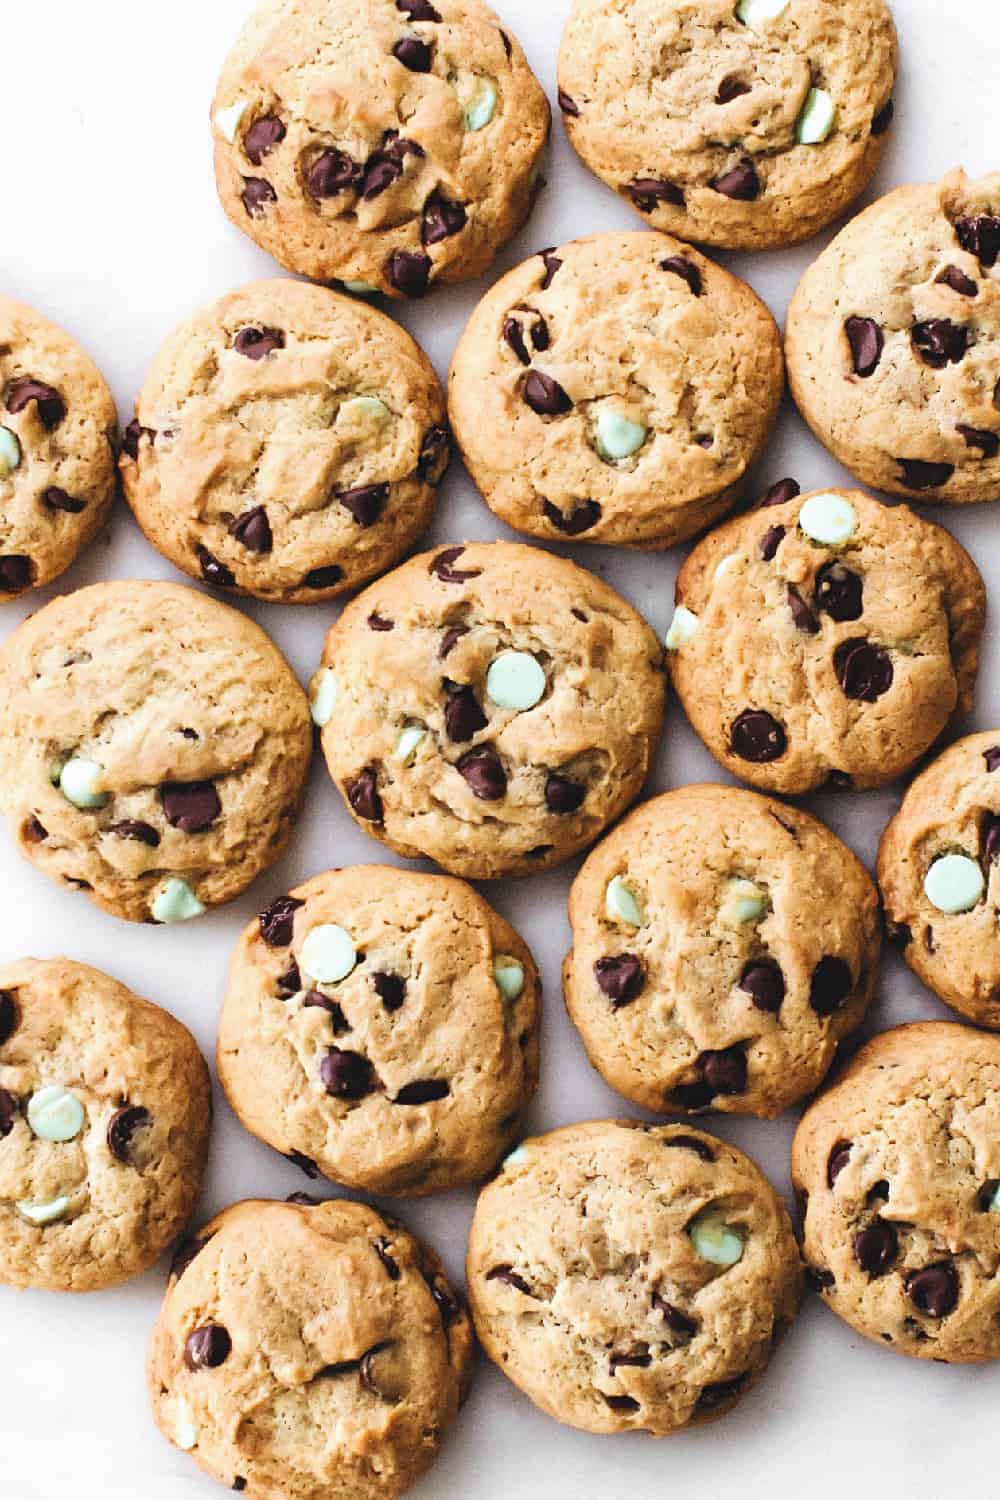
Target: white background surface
{"x": 110, "y": 225}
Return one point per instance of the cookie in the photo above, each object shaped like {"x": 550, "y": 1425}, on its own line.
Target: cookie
{"x": 58, "y": 429}
{"x": 105, "y": 1108}
{"x": 389, "y": 144}
{"x": 615, "y": 390}
{"x": 899, "y": 1169}
{"x": 288, "y": 444}
{"x": 749, "y": 124}
{"x": 723, "y": 945}
{"x": 382, "y": 1025}
{"x": 153, "y": 747}
{"x": 893, "y": 342}
{"x": 825, "y": 638}
{"x": 305, "y": 1352}
{"x": 936, "y": 870}
{"x": 631, "y": 1277}
{"x": 489, "y": 706}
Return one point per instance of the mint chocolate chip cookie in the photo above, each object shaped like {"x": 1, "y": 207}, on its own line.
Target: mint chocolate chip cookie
{"x": 153, "y": 748}
{"x": 388, "y": 145}
{"x": 616, "y": 389}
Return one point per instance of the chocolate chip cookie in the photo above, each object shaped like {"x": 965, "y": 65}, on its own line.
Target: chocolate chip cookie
{"x": 58, "y": 428}
{"x": 382, "y": 1025}
{"x": 490, "y": 706}
{"x": 893, "y": 342}
{"x": 153, "y": 747}
{"x": 898, "y": 1166}
{"x": 825, "y": 638}
{"x": 309, "y": 1352}
{"x": 631, "y": 1277}
{"x": 388, "y": 145}
{"x": 723, "y": 945}
{"x": 746, "y": 123}
{"x": 937, "y": 869}
{"x": 105, "y": 1108}
{"x": 288, "y": 444}
{"x": 617, "y": 390}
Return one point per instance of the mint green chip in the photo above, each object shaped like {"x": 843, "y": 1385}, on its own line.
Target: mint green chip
{"x": 55, "y": 1114}
{"x": 40, "y": 1214}
{"x": 509, "y": 975}
{"x": 817, "y": 118}
{"x": 10, "y": 452}
{"x": 683, "y": 628}
{"x": 323, "y": 694}
{"x": 81, "y": 782}
{"x": 515, "y": 680}
{"x": 361, "y": 288}
{"x": 621, "y": 904}
{"x": 759, "y": 12}
{"x": 954, "y": 884}
{"x": 176, "y": 902}
{"x": 328, "y": 954}
{"x": 828, "y": 519}
{"x": 481, "y": 105}
{"x": 617, "y": 436}
{"x": 716, "y": 1241}
{"x": 367, "y": 407}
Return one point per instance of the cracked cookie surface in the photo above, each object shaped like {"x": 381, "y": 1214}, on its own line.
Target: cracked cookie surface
{"x": 631, "y": 1277}
{"x": 154, "y": 747}
{"x": 893, "y": 342}
{"x": 388, "y": 144}
{"x": 58, "y": 429}
{"x": 405, "y": 1067}
{"x": 616, "y": 389}
{"x": 490, "y": 706}
{"x": 749, "y": 124}
{"x": 288, "y": 444}
{"x": 309, "y": 1353}
{"x": 105, "y": 1109}
{"x": 752, "y": 949}
{"x": 825, "y": 638}
{"x": 899, "y": 1165}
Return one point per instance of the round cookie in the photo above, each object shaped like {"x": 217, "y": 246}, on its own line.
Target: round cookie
{"x": 723, "y": 945}
{"x": 631, "y": 1277}
{"x": 105, "y": 1109}
{"x": 153, "y": 747}
{"x": 387, "y": 144}
{"x": 288, "y": 444}
{"x": 825, "y": 638}
{"x": 383, "y": 1026}
{"x": 899, "y": 1168}
{"x": 615, "y": 390}
{"x": 893, "y": 342}
{"x": 58, "y": 429}
{"x": 490, "y": 706}
{"x": 745, "y": 123}
{"x": 937, "y": 870}
{"x": 309, "y": 1352}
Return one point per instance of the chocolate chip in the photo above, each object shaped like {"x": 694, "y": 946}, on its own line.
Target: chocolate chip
{"x": 365, "y": 503}
{"x": 185, "y": 1253}
{"x": 450, "y": 640}
{"x": 409, "y": 272}
{"x": 884, "y": 118}
{"x": 956, "y": 278}
{"x": 415, "y": 54}
{"x": 988, "y": 443}
{"x": 639, "y": 1360}
{"x": 9, "y": 1112}
{"x": 441, "y": 219}
{"x": 514, "y": 337}
{"x": 207, "y": 1347}
{"x": 391, "y": 990}
{"x": 441, "y": 567}
{"x": 484, "y": 773}
{"x": 418, "y": 10}
{"x": 819, "y": 1280}
{"x": 546, "y": 396}
{"x": 540, "y": 335}
{"x": 190, "y": 806}
{"x": 552, "y": 265}
{"x": 122, "y": 1127}
{"x": 333, "y": 172}
{"x": 463, "y": 717}
{"x": 867, "y": 342}
{"x": 992, "y": 758}
{"x": 839, "y": 592}
{"x": 732, "y": 87}
{"x": 691, "y": 1143}
{"x": 277, "y": 922}
{"x": 679, "y": 265}
{"x": 253, "y": 530}
{"x": 133, "y": 435}
{"x": 864, "y": 671}
{"x": 830, "y": 986}
{"x": 257, "y": 194}
{"x": 764, "y": 982}
{"x": 876, "y": 1247}
{"x": 805, "y": 620}
{"x": 721, "y": 1393}
{"x": 567, "y": 105}
{"x": 239, "y": 1484}
{"x": 917, "y": 474}
{"x": 364, "y": 798}
{"x": 757, "y": 736}
{"x": 582, "y": 518}
{"x": 423, "y": 1091}
{"x": 381, "y": 1248}
{"x": 49, "y": 404}
{"x": 264, "y": 134}
{"x": 676, "y": 1321}
{"x": 347, "y": 1075}
{"x": 303, "y": 1200}
{"x": 981, "y": 237}
{"x": 770, "y": 542}
{"x": 781, "y": 493}
{"x": 445, "y": 1302}
{"x": 837, "y": 1161}
{"x": 57, "y": 499}
{"x": 316, "y": 1000}
{"x": 323, "y": 578}
{"x": 16, "y": 573}
{"x": 304, "y": 1163}
{"x": 647, "y": 192}
{"x": 378, "y": 623}
{"x": 562, "y": 795}
{"x": 435, "y": 455}
{"x": 740, "y": 182}
{"x": 141, "y": 833}
{"x": 258, "y": 343}
{"x": 35, "y": 832}
{"x": 725, "y": 1071}
{"x": 381, "y": 171}
{"x": 621, "y": 1403}
{"x": 509, "y": 1277}
{"x": 989, "y": 840}
{"x": 934, "y": 1290}
{"x": 939, "y": 342}
{"x": 213, "y": 571}
{"x": 898, "y": 933}
{"x": 621, "y": 977}
{"x": 692, "y": 1096}
{"x": 507, "y": 45}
